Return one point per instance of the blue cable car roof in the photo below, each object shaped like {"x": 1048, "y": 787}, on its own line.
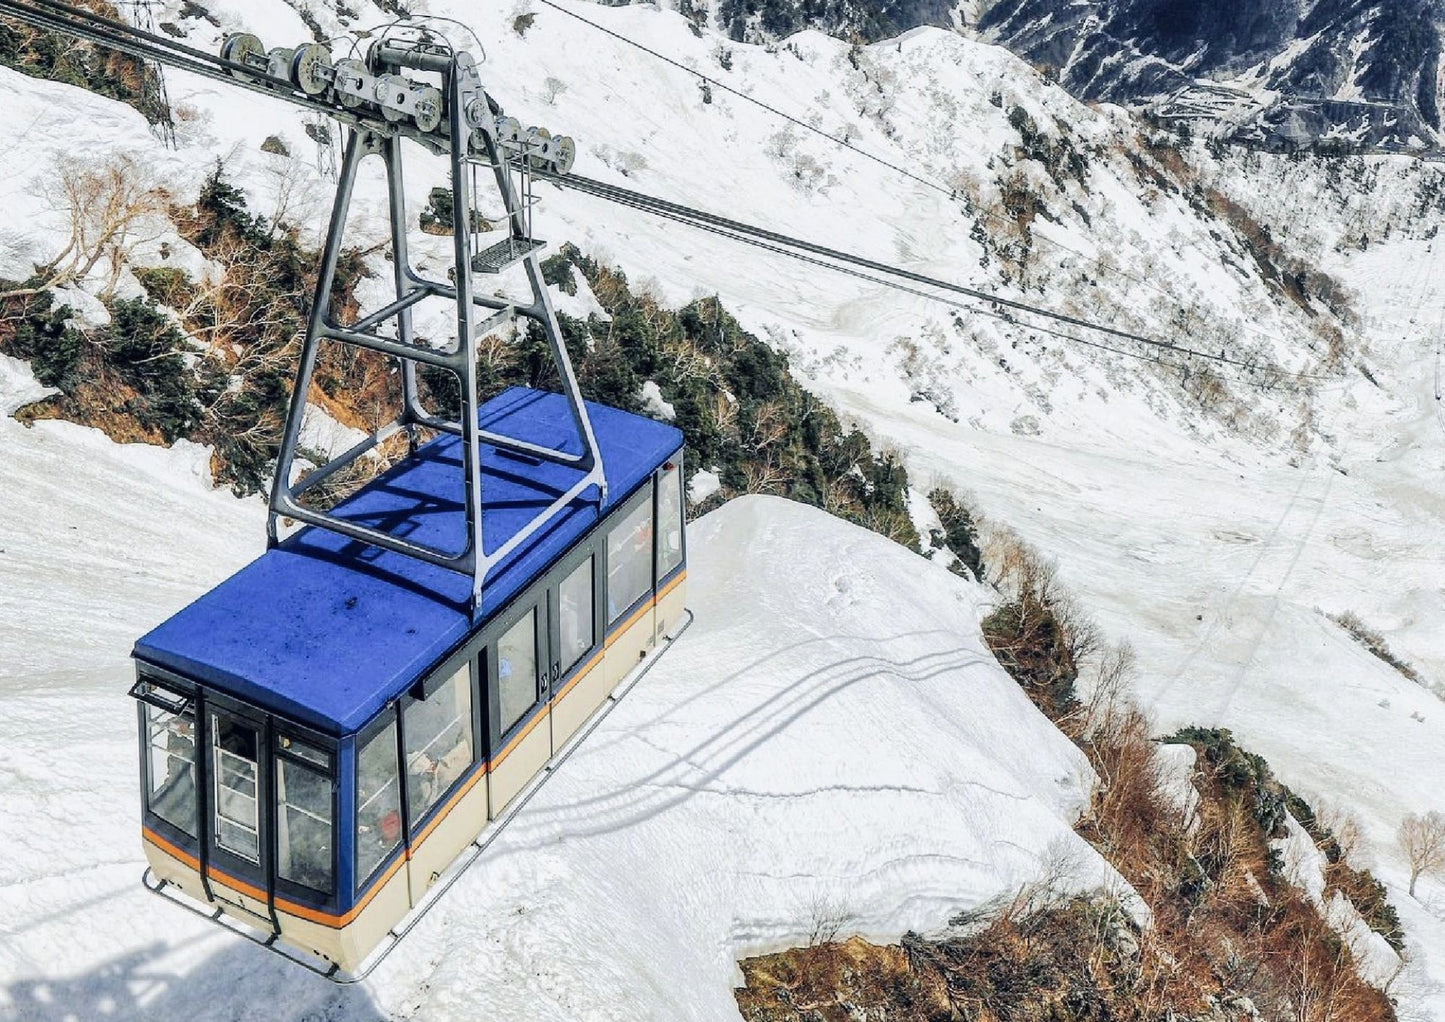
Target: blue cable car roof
{"x": 326, "y": 630}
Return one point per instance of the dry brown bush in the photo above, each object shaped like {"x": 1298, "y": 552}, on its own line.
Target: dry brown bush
{"x": 106, "y": 202}
{"x": 1039, "y": 634}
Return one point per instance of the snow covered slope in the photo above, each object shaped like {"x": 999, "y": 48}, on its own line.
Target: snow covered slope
{"x": 1207, "y": 535}
{"x": 1340, "y": 69}
{"x": 831, "y": 741}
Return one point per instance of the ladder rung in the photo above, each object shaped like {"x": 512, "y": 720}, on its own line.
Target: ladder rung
{"x": 495, "y": 320}
{"x": 394, "y": 348}
{"x": 505, "y": 253}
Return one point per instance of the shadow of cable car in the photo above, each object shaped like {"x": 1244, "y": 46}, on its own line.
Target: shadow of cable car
{"x": 237, "y": 982}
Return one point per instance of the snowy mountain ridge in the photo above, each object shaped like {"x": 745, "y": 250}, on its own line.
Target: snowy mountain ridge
{"x": 1276, "y": 72}
{"x": 1358, "y": 71}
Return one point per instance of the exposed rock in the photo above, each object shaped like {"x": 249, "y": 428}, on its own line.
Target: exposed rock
{"x": 1359, "y": 70}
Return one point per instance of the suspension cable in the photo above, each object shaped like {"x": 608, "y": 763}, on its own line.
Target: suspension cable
{"x": 1006, "y": 318}
{"x": 58, "y": 16}
{"x": 791, "y": 245}
{"x": 63, "y": 18}
{"x": 952, "y": 193}
{"x": 756, "y": 102}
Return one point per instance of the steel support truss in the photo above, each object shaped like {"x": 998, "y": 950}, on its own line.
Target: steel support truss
{"x": 461, "y": 90}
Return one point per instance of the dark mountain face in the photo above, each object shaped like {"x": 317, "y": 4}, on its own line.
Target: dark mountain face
{"x": 1359, "y": 72}
{"x": 1365, "y": 70}
{"x": 762, "y": 20}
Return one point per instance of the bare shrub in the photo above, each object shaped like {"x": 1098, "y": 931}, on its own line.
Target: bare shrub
{"x": 1129, "y": 817}
{"x": 762, "y": 477}
{"x": 1344, "y": 827}
{"x": 827, "y": 916}
{"x": 1422, "y": 840}
{"x": 1039, "y": 635}
{"x": 1374, "y": 642}
{"x": 1060, "y": 871}
{"x": 105, "y": 202}
{"x": 1110, "y": 699}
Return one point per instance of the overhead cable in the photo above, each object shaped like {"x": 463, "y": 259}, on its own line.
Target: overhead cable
{"x": 1097, "y": 262}
{"x": 714, "y": 83}
{"x": 688, "y": 214}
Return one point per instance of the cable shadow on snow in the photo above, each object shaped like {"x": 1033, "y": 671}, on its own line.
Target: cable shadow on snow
{"x": 689, "y": 773}
{"x": 238, "y": 982}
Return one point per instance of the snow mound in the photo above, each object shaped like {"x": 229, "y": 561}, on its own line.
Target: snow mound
{"x": 1304, "y": 866}
{"x": 1176, "y": 765}
{"x": 18, "y": 386}
{"x": 829, "y": 745}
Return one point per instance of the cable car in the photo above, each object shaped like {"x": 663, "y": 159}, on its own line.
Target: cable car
{"x": 325, "y": 731}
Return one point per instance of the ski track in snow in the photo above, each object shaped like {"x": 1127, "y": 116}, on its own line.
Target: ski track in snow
{"x": 746, "y": 781}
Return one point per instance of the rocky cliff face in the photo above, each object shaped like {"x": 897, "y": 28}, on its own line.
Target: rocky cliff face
{"x": 1284, "y": 73}
{"x": 1364, "y": 71}
{"x": 763, "y": 20}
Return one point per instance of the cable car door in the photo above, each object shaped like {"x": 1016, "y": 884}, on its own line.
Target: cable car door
{"x": 237, "y": 837}
{"x": 579, "y": 684}
{"x": 521, "y": 689}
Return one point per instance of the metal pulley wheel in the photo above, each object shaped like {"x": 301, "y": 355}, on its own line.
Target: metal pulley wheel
{"x": 279, "y": 62}
{"x": 243, "y": 48}
{"x": 392, "y": 95}
{"x": 564, "y": 154}
{"x": 355, "y": 74}
{"x": 538, "y": 147}
{"x": 478, "y": 116}
{"x": 309, "y": 65}
{"x": 428, "y": 109}
{"x": 509, "y": 129}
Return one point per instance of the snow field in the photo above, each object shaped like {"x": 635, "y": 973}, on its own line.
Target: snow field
{"x": 829, "y": 744}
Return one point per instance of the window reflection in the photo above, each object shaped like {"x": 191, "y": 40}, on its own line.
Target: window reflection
{"x": 575, "y": 613}
{"x": 303, "y": 824}
{"x": 629, "y": 560}
{"x": 235, "y": 768}
{"x": 171, "y": 766}
{"x": 517, "y": 669}
{"x": 669, "y": 521}
{"x": 438, "y": 742}
{"x": 378, "y": 802}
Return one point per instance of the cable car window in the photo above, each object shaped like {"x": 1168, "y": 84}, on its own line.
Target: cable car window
{"x": 517, "y": 669}
{"x": 438, "y": 742}
{"x": 629, "y": 560}
{"x": 235, "y": 769}
{"x": 378, "y": 802}
{"x": 575, "y": 611}
{"x": 669, "y": 520}
{"x": 171, "y": 767}
{"x": 303, "y": 824}
{"x": 310, "y": 753}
